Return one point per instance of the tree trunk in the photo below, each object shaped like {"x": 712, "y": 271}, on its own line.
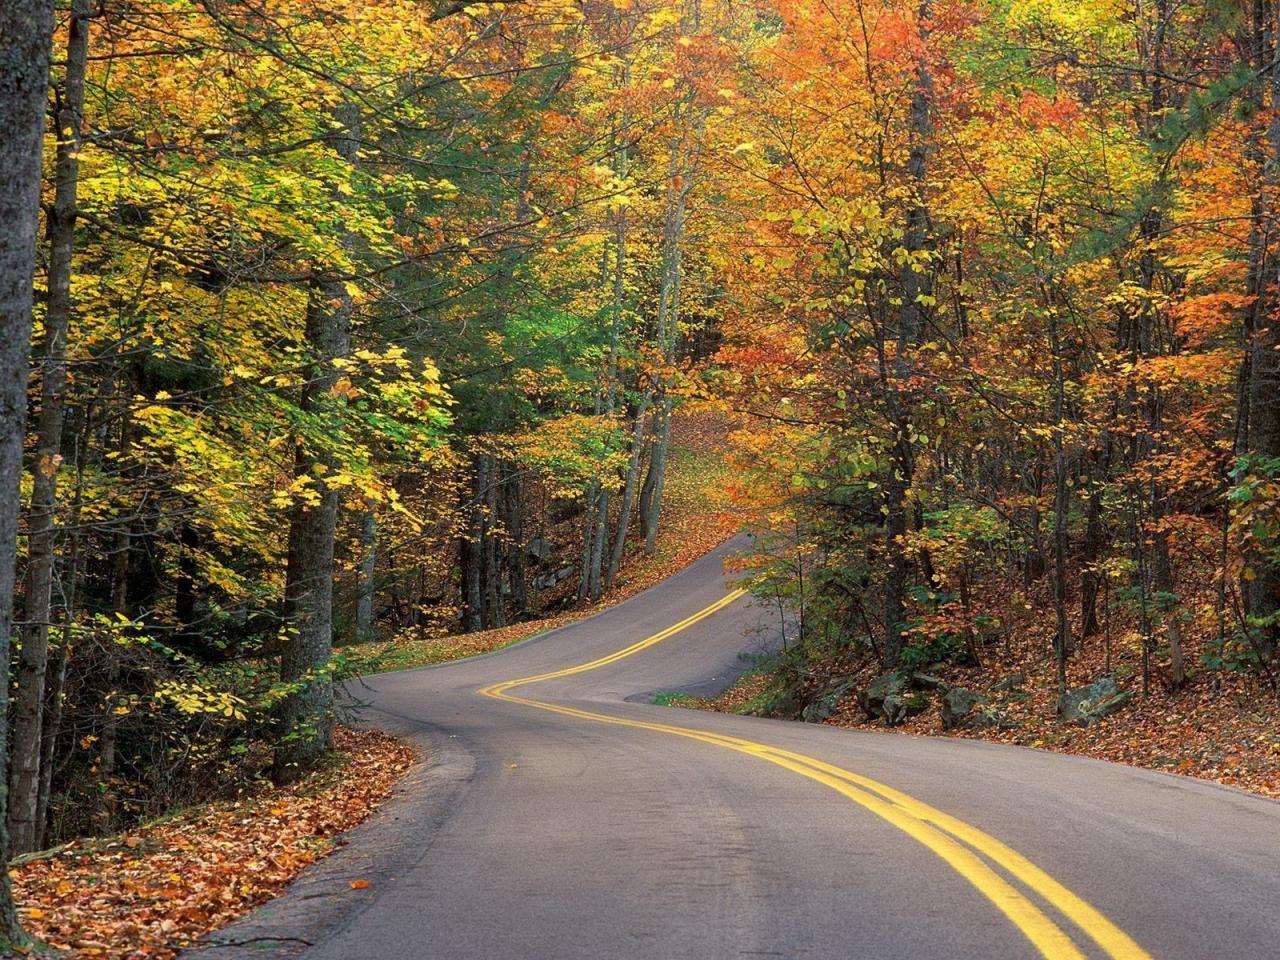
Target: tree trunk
{"x": 1095, "y": 542}
{"x": 628, "y": 492}
{"x": 28, "y": 707}
{"x": 916, "y": 283}
{"x": 368, "y": 565}
{"x": 655, "y": 480}
{"x": 514, "y": 519}
{"x": 494, "y": 613}
{"x": 680, "y": 184}
{"x": 121, "y": 550}
{"x": 26, "y": 28}
{"x": 472, "y": 548}
{"x": 590, "y": 499}
{"x": 599, "y": 574}
{"x": 305, "y": 712}
{"x": 1262, "y": 592}
{"x": 52, "y": 727}
{"x": 895, "y": 581}
{"x": 1062, "y": 634}
{"x": 598, "y": 538}
{"x": 1162, "y": 578}
{"x": 1260, "y": 371}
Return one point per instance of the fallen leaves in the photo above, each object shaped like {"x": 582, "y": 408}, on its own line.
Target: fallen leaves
{"x": 145, "y": 894}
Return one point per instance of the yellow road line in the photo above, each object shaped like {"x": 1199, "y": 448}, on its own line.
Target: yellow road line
{"x": 951, "y": 839}
{"x": 658, "y": 637}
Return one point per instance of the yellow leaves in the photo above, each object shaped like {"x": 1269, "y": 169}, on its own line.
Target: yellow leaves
{"x": 664, "y": 16}
{"x": 301, "y": 490}
{"x": 193, "y": 699}
{"x": 573, "y": 452}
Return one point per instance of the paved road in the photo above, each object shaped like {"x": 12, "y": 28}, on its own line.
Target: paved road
{"x": 569, "y": 819}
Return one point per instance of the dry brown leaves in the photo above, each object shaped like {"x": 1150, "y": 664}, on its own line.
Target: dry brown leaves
{"x": 146, "y": 893}
{"x": 734, "y": 698}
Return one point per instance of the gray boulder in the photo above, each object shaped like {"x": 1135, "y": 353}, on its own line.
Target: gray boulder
{"x": 548, "y": 580}
{"x": 899, "y": 706}
{"x": 825, "y": 704}
{"x": 1011, "y": 682}
{"x": 539, "y": 548}
{"x": 960, "y": 707}
{"x": 871, "y": 698}
{"x": 890, "y": 698}
{"x": 1090, "y": 703}
{"x": 927, "y": 681}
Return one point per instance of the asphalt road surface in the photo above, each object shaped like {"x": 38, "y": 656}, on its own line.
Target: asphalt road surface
{"x": 568, "y": 818}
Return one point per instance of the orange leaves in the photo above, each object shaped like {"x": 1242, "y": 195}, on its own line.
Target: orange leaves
{"x": 345, "y": 389}
{"x": 145, "y": 894}
{"x": 1209, "y": 315}
{"x": 1041, "y": 111}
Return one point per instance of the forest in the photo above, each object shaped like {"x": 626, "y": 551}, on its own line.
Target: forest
{"x": 327, "y": 327}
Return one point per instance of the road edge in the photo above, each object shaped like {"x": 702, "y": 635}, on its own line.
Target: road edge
{"x": 321, "y": 901}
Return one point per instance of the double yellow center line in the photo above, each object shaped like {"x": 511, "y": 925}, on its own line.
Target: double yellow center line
{"x": 962, "y": 846}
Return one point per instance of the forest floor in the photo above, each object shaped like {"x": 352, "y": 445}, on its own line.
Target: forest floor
{"x": 1222, "y": 725}
{"x": 696, "y": 518}
{"x": 147, "y": 892}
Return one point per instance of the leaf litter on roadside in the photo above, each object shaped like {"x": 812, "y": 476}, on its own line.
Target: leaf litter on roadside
{"x": 144, "y": 894}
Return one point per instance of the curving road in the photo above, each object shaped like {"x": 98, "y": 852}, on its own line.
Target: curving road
{"x": 563, "y": 817}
